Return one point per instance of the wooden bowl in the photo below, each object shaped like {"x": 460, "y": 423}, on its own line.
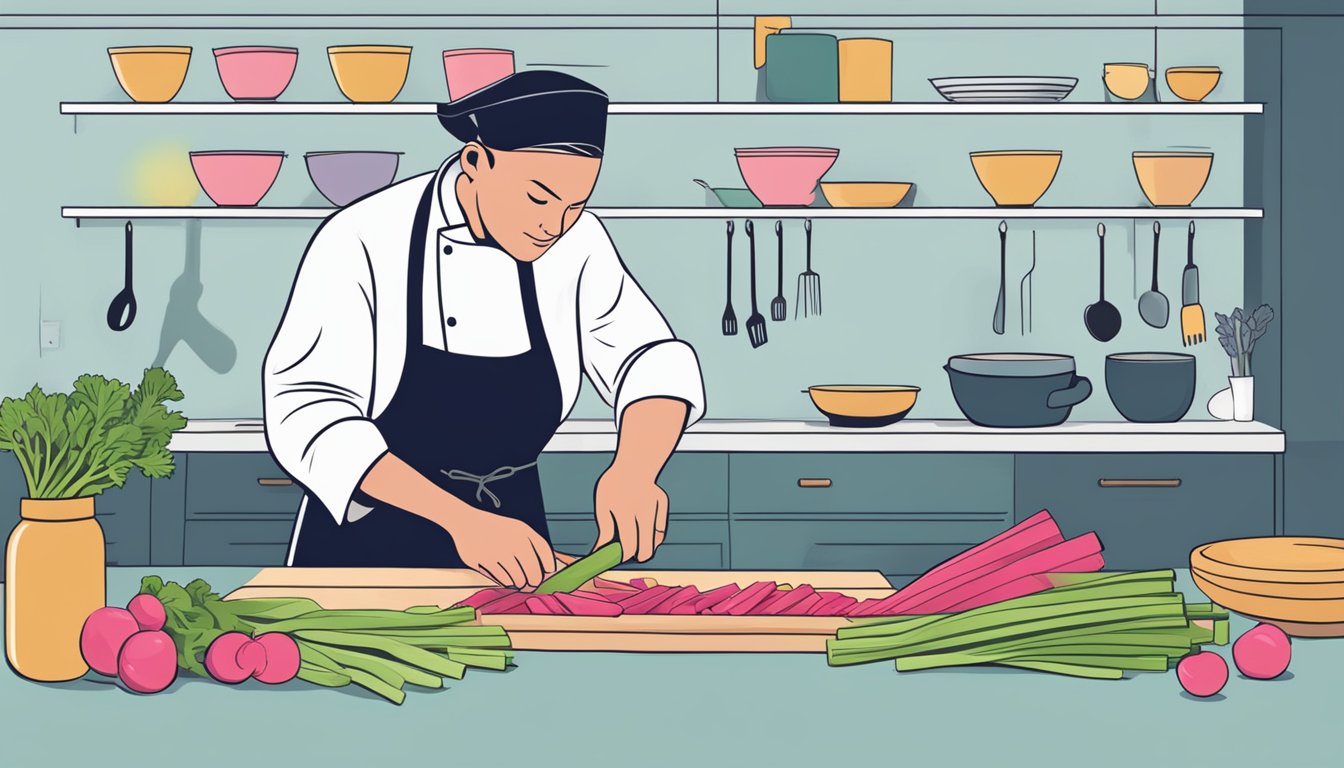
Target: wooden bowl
{"x": 1193, "y": 83}
{"x": 1016, "y": 178}
{"x": 863, "y": 405}
{"x": 1296, "y": 616}
{"x": 370, "y": 74}
{"x": 150, "y": 74}
{"x": 865, "y": 194}
{"x": 1172, "y": 179}
{"x": 1273, "y": 560}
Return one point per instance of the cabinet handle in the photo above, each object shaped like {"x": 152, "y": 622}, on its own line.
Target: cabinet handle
{"x": 1174, "y": 482}
{"x": 814, "y": 482}
{"x": 274, "y": 481}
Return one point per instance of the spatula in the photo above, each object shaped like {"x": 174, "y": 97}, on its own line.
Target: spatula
{"x": 729, "y": 323}
{"x": 779, "y": 308}
{"x": 756, "y": 322}
{"x": 1192, "y": 314}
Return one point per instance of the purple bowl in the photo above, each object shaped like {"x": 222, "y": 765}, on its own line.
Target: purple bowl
{"x": 344, "y": 177}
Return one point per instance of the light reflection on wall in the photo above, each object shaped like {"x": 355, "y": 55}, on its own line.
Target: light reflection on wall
{"x": 160, "y": 174}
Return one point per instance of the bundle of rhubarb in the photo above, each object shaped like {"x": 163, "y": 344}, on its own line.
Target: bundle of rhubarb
{"x": 1017, "y": 562}
{"x": 377, "y": 649}
{"x": 1098, "y": 625}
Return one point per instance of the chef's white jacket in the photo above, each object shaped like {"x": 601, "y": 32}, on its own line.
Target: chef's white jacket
{"x": 338, "y": 354}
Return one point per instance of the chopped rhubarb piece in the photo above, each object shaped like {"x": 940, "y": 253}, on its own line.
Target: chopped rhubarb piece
{"x": 715, "y": 596}
{"x": 510, "y": 603}
{"x": 836, "y": 606}
{"x": 1027, "y": 585}
{"x": 781, "y": 604}
{"x": 803, "y": 607}
{"x": 535, "y": 605}
{"x": 643, "y": 583}
{"x": 766, "y": 606}
{"x": 685, "y": 609}
{"x": 601, "y": 583}
{"x": 744, "y": 600}
{"x": 485, "y": 596}
{"x": 647, "y": 599}
{"x": 578, "y": 605}
{"x": 674, "y": 599}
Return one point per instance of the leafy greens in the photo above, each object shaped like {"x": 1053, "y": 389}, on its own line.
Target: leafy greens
{"x": 82, "y": 443}
{"x": 1239, "y": 332}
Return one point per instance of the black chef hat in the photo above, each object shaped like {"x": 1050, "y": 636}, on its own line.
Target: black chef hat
{"x": 534, "y": 109}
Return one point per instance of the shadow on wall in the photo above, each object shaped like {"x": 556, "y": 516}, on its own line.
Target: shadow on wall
{"x": 183, "y": 321}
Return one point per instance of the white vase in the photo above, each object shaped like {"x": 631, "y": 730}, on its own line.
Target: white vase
{"x": 1243, "y": 397}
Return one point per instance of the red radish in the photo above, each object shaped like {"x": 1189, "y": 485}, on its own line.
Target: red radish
{"x": 148, "y": 612}
{"x": 1202, "y": 674}
{"x": 1263, "y": 652}
{"x": 221, "y": 658}
{"x": 282, "y": 658}
{"x": 104, "y": 632}
{"x": 251, "y": 657}
{"x": 148, "y": 662}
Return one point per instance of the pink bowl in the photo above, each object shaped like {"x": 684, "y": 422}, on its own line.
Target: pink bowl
{"x": 471, "y": 69}
{"x": 236, "y": 177}
{"x": 785, "y": 175}
{"x": 256, "y": 72}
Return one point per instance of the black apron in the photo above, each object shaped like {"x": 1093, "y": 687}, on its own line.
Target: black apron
{"x": 473, "y": 425}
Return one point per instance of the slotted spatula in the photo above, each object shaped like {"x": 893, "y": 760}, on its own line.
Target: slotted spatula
{"x": 1192, "y": 314}
{"x": 756, "y": 322}
{"x": 779, "y": 308}
{"x": 729, "y": 317}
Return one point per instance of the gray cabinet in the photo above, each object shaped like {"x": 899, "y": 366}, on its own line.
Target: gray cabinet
{"x": 896, "y": 513}
{"x": 697, "y": 487}
{"x": 239, "y": 509}
{"x": 1150, "y": 510}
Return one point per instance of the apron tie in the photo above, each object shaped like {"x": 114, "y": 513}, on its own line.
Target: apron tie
{"x": 482, "y": 481}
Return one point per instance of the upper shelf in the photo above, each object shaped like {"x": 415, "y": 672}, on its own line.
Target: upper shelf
{"x": 674, "y": 108}
{"x": 986, "y": 212}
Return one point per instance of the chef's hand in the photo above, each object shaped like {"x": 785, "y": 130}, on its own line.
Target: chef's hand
{"x": 632, "y": 508}
{"x": 502, "y": 548}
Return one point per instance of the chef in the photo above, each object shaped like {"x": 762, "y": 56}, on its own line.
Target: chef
{"x": 434, "y": 339}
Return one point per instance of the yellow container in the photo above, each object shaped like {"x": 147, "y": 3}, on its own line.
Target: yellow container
{"x": 151, "y": 74}
{"x": 764, "y": 27}
{"x": 865, "y": 69}
{"x": 370, "y": 74}
{"x": 1126, "y": 80}
{"x": 1193, "y": 83}
{"x": 55, "y": 576}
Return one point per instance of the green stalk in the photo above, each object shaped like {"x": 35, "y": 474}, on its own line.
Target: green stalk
{"x": 1072, "y": 670}
{"x": 323, "y": 677}
{"x": 579, "y": 572}
{"x": 365, "y": 620}
{"x": 403, "y": 652}
{"x": 1149, "y": 663}
{"x": 386, "y": 669}
{"x": 271, "y": 609}
{"x": 439, "y": 641}
{"x": 497, "y": 662}
{"x": 967, "y": 629}
{"x": 365, "y": 680}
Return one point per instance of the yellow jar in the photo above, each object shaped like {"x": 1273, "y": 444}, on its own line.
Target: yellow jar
{"x": 55, "y": 576}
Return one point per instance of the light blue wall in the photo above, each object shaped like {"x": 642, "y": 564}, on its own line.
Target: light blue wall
{"x": 901, "y": 296}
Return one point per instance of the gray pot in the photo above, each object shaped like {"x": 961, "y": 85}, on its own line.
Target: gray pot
{"x": 344, "y": 177}
{"x": 1016, "y": 389}
{"x": 1151, "y": 387}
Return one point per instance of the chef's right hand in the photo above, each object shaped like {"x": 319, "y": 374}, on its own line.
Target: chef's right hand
{"x": 502, "y": 548}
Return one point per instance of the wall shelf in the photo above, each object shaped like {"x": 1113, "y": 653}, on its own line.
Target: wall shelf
{"x": 686, "y": 108}
{"x": 210, "y": 212}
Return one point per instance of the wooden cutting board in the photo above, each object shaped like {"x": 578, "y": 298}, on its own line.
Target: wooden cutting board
{"x": 401, "y": 588}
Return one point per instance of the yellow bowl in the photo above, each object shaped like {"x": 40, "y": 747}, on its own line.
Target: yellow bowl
{"x": 370, "y": 74}
{"x": 863, "y": 405}
{"x": 1296, "y": 616}
{"x": 1126, "y": 80}
{"x": 1193, "y": 83}
{"x": 1172, "y": 178}
{"x": 151, "y": 74}
{"x": 865, "y": 194}
{"x": 1016, "y": 178}
{"x": 1275, "y": 560}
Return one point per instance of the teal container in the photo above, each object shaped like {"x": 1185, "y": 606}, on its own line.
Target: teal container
{"x": 802, "y": 68}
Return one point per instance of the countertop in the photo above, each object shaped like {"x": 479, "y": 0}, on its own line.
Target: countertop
{"x": 909, "y": 436}
{"x": 708, "y": 709}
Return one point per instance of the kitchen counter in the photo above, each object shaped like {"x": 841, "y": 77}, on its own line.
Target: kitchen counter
{"x": 910, "y": 436}
{"x": 651, "y": 709}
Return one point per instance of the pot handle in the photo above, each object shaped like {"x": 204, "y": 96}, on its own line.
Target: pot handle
{"x": 1071, "y": 395}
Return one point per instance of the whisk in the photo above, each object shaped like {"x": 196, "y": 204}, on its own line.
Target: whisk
{"x": 807, "y": 298}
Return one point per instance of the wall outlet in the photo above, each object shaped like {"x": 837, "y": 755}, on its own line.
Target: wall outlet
{"x": 50, "y": 337}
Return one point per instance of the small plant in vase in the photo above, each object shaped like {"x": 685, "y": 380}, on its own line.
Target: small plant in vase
{"x": 1238, "y": 334}
{"x": 70, "y": 448}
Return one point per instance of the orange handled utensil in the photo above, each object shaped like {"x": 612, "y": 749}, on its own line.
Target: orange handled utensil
{"x": 1192, "y": 314}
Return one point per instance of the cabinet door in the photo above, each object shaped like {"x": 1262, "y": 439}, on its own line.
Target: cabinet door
{"x": 1150, "y": 510}
{"x": 240, "y": 510}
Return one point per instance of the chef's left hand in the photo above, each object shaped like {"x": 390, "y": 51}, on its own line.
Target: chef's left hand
{"x": 630, "y": 508}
